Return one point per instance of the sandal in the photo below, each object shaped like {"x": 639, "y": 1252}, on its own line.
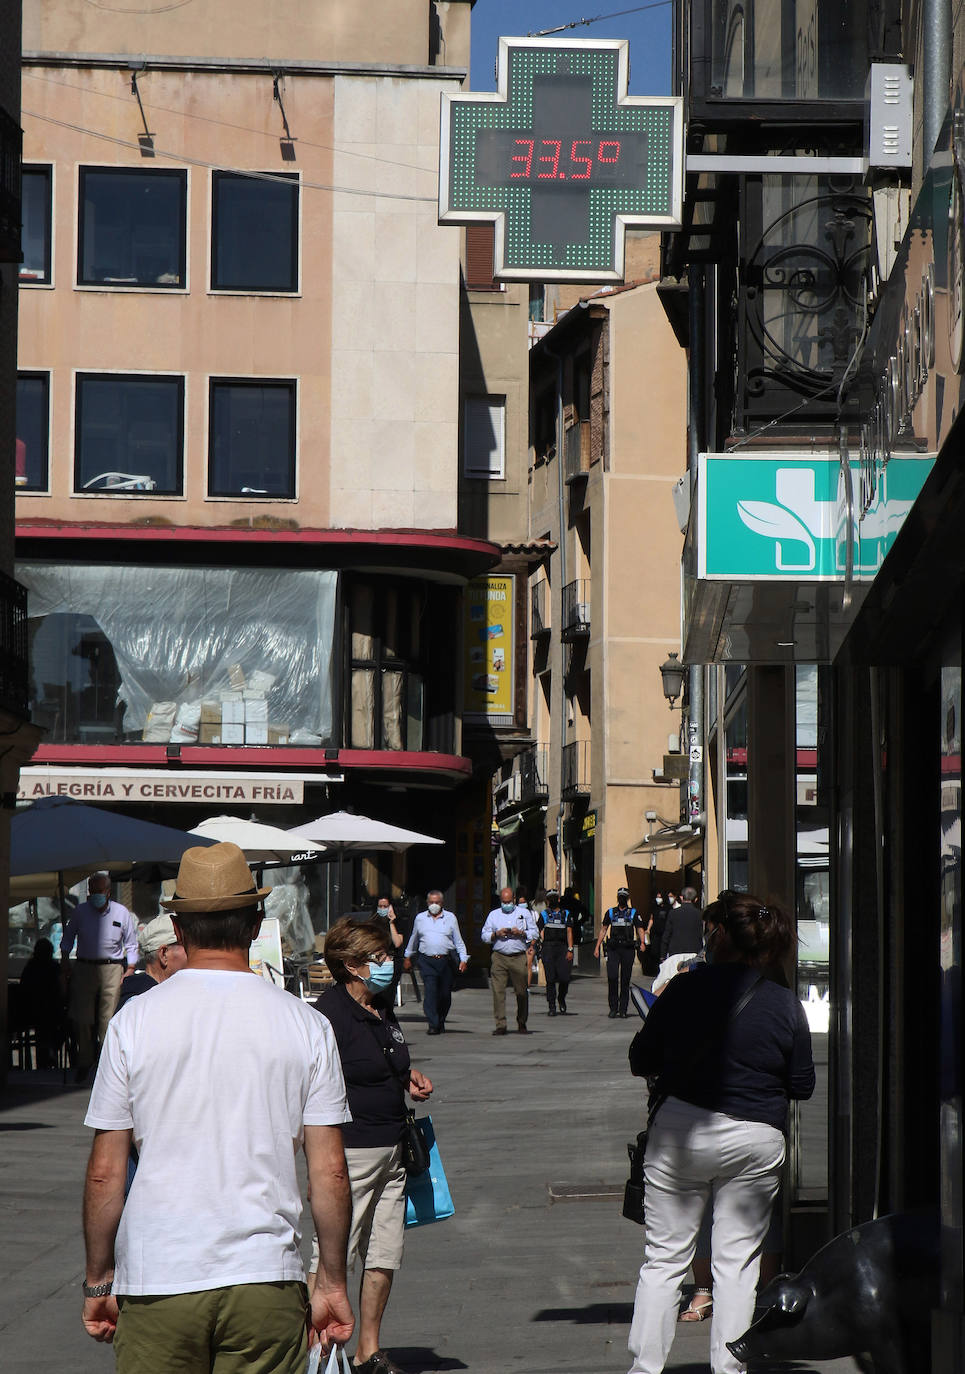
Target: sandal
{"x": 701, "y": 1305}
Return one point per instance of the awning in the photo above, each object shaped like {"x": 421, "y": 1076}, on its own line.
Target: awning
{"x": 683, "y": 838}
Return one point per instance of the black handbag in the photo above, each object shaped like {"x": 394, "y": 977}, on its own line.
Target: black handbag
{"x": 634, "y": 1191}
{"x": 415, "y": 1151}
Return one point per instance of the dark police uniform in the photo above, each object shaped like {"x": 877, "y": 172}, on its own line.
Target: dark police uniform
{"x": 621, "y": 926}
{"x": 553, "y": 927}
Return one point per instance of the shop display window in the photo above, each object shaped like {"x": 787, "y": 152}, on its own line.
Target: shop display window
{"x": 159, "y": 655}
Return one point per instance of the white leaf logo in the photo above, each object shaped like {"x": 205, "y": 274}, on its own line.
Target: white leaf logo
{"x": 781, "y": 525}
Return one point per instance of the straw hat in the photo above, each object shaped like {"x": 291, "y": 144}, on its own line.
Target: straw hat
{"x": 214, "y": 878}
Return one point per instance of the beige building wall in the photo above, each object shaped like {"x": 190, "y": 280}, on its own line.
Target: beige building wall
{"x": 286, "y": 30}
{"x": 640, "y": 547}
{"x": 395, "y": 311}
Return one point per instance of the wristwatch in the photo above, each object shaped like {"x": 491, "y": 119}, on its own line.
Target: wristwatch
{"x": 97, "y": 1290}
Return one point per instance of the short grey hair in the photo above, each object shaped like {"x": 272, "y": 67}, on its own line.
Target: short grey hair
{"x": 688, "y": 894}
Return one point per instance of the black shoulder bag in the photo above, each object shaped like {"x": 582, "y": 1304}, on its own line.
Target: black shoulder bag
{"x": 633, "y": 1192}
{"x": 415, "y": 1151}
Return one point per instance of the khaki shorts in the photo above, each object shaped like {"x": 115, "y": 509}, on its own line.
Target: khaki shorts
{"x": 250, "y": 1328}
{"x": 377, "y": 1178}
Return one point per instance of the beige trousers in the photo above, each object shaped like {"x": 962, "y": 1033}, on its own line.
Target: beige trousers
{"x": 92, "y": 999}
{"x": 506, "y": 969}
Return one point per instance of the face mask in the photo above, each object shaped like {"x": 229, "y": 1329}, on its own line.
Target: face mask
{"x": 508, "y": 907}
{"x": 383, "y": 911}
{"x": 380, "y": 976}
{"x": 98, "y": 900}
{"x": 434, "y": 908}
{"x": 659, "y": 901}
{"x": 622, "y": 901}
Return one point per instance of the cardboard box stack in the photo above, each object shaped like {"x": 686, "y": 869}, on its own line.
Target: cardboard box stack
{"x": 238, "y": 715}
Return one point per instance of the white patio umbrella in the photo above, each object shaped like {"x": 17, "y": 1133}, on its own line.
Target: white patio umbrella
{"x": 262, "y": 844}
{"x": 348, "y": 832}
{"x": 344, "y": 832}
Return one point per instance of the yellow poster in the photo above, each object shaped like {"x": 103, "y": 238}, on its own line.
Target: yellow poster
{"x": 488, "y": 639}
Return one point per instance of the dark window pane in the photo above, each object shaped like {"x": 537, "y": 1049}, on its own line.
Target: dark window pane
{"x": 131, "y": 228}
{"x": 129, "y": 433}
{"x": 35, "y": 231}
{"x": 252, "y": 439}
{"x": 32, "y": 426}
{"x": 255, "y": 234}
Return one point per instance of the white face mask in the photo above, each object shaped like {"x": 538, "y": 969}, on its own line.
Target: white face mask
{"x": 383, "y": 911}
{"x": 434, "y": 908}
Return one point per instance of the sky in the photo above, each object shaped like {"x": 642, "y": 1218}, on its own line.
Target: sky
{"x": 649, "y": 32}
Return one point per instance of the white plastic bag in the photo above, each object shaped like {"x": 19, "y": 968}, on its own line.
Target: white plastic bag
{"x": 315, "y": 1360}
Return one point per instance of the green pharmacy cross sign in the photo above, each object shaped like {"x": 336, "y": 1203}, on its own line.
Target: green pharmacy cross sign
{"x": 561, "y": 160}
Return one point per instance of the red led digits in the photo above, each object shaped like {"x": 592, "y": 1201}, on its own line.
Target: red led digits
{"x": 554, "y": 158}
{"x": 526, "y": 157}
{"x": 607, "y": 151}
{"x": 579, "y": 161}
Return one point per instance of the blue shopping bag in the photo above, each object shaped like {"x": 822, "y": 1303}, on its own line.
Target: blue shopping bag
{"x": 427, "y": 1195}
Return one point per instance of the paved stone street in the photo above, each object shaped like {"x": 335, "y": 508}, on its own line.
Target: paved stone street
{"x": 515, "y": 1280}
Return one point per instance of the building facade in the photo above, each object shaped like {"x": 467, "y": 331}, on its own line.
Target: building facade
{"x": 238, "y": 418}
{"x": 607, "y": 445}
{"x": 817, "y": 289}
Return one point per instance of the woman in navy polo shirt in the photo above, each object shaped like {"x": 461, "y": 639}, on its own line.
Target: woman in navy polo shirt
{"x": 375, "y": 1062}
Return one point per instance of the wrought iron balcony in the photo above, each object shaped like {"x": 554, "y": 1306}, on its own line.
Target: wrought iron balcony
{"x": 576, "y": 452}
{"x": 533, "y": 767}
{"x": 576, "y": 769}
{"x": 539, "y": 610}
{"x": 14, "y": 674}
{"x": 576, "y": 610}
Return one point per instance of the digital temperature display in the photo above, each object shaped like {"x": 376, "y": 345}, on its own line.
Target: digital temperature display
{"x": 561, "y": 160}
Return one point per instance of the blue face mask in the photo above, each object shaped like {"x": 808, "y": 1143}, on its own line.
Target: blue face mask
{"x": 508, "y": 907}
{"x": 380, "y": 976}
{"x": 98, "y": 900}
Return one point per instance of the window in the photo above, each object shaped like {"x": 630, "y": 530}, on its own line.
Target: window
{"x": 484, "y": 437}
{"x": 251, "y": 438}
{"x": 132, "y": 228}
{"x": 254, "y": 233}
{"x": 129, "y": 434}
{"x": 33, "y": 422}
{"x": 35, "y": 230}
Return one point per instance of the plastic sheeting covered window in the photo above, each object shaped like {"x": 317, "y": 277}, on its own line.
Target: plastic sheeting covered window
{"x": 181, "y": 655}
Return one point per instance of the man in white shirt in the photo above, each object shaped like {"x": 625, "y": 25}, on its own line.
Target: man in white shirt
{"x": 217, "y": 1077}
{"x": 511, "y": 930}
{"x": 437, "y": 941}
{"x": 106, "y": 939}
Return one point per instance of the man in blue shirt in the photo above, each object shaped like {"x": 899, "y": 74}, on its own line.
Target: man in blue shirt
{"x": 511, "y": 930}
{"x": 436, "y": 939}
{"x": 106, "y": 954}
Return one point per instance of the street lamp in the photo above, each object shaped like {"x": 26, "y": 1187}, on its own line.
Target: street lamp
{"x": 672, "y": 674}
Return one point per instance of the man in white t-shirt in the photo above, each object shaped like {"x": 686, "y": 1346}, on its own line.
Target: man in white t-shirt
{"x": 217, "y": 1078}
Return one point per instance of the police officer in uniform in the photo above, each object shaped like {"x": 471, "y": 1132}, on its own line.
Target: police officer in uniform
{"x": 620, "y": 937}
{"x": 556, "y": 932}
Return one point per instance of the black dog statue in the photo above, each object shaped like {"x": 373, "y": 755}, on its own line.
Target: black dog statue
{"x": 868, "y": 1293}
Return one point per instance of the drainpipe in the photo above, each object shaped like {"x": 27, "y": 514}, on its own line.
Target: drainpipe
{"x": 551, "y": 353}
{"x": 936, "y": 67}
{"x": 695, "y": 373}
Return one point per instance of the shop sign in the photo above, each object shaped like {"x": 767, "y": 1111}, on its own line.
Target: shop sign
{"x": 488, "y": 639}
{"x": 561, "y": 160}
{"x": 589, "y": 825}
{"x": 156, "y": 787}
{"x": 786, "y": 516}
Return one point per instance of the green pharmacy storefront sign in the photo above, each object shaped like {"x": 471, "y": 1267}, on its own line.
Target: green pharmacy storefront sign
{"x": 798, "y": 516}
{"x": 561, "y": 160}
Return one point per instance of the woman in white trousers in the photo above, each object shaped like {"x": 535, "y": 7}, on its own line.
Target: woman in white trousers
{"x": 728, "y": 1048}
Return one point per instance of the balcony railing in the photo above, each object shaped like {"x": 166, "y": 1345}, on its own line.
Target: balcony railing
{"x": 576, "y": 769}
{"x": 576, "y": 451}
{"x": 576, "y": 610}
{"x": 540, "y": 609}
{"x": 533, "y": 767}
{"x": 14, "y": 674}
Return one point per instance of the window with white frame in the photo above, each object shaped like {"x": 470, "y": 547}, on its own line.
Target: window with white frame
{"x": 484, "y": 437}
